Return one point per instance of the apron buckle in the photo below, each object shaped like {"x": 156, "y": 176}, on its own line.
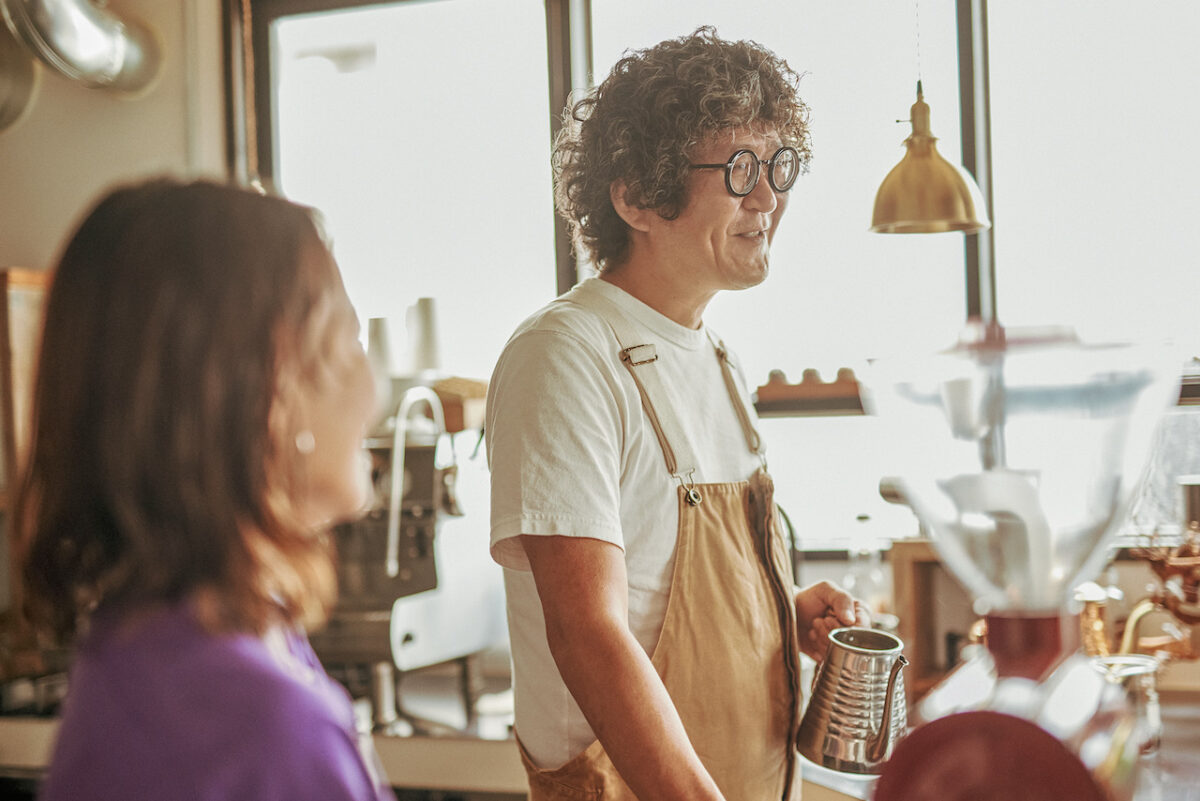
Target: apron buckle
{"x": 690, "y": 493}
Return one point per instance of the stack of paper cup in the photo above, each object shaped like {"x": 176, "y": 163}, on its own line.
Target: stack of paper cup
{"x": 422, "y": 337}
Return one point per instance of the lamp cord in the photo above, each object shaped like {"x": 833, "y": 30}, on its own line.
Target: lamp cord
{"x": 917, "y": 16}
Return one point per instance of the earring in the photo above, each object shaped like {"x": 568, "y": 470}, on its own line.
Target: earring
{"x": 305, "y": 441}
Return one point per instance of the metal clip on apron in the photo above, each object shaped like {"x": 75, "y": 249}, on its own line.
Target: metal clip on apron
{"x": 728, "y": 654}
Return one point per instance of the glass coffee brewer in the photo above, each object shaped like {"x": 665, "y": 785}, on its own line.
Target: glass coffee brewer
{"x": 1020, "y": 451}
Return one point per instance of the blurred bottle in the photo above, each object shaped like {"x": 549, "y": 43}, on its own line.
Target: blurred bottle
{"x": 868, "y": 579}
{"x": 424, "y": 352}
{"x": 383, "y": 368}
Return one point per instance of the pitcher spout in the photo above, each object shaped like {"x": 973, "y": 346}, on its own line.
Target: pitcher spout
{"x": 878, "y": 747}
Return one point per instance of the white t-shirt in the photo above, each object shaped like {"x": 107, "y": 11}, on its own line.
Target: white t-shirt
{"x": 572, "y": 453}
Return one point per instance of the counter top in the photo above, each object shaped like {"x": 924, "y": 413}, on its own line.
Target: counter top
{"x": 437, "y": 763}
{"x": 427, "y": 763}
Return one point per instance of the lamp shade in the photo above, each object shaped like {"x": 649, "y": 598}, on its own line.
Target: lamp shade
{"x": 924, "y": 193}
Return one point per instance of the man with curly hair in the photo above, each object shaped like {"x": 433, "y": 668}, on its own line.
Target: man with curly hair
{"x": 654, "y": 622}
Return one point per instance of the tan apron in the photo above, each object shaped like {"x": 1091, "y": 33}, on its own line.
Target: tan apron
{"x": 728, "y": 654}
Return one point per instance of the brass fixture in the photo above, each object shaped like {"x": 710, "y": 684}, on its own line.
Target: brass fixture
{"x": 1178, "y": 571}
{"x": 924, "y": 193}
{"x": 1095, "y": 631}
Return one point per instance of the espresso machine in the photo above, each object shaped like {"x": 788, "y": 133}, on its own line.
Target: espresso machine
{"x": 386, "y": 555}
{"x": 1020, "y": 453}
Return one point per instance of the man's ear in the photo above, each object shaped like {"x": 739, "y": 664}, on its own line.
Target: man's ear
{"x": 636, "y": 218}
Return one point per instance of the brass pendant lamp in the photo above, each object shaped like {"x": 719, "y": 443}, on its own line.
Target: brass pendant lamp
{"x": 924, "y": 193}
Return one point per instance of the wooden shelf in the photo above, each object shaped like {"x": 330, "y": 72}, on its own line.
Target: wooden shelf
{"x": 812, "y": 396}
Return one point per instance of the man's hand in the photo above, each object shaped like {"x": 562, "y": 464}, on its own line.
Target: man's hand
{"x": 821, "y": 608}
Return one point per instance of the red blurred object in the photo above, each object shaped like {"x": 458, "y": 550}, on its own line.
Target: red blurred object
{"x": 1030, "y": 645}
{"x": 984, "y": 756}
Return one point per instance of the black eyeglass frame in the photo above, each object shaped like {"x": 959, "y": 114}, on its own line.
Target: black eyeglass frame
{"x": 758, "y": 164}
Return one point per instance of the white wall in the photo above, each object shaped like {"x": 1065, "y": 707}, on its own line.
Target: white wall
{"x": 75, "y": 142}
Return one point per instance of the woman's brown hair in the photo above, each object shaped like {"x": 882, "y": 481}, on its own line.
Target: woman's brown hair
{"x": 154, "y": 473}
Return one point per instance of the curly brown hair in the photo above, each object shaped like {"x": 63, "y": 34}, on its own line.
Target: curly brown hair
{"x": 642, "y": 122}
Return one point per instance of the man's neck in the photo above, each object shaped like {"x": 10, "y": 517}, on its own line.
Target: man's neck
{"x": 662, "y": 288}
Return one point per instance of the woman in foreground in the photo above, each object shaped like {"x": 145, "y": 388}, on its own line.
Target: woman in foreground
{"x": 198, "y": 419}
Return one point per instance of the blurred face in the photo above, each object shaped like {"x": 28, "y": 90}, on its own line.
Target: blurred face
{"x": 726, "y": 240}
{"x": 330, "y": 409}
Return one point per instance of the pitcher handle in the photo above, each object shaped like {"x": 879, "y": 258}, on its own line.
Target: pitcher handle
{"x": 878, "y": 747}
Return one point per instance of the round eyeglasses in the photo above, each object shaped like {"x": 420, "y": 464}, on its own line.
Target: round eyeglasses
{"x": 742, "y": 170}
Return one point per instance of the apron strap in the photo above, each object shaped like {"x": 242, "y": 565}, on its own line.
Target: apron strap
{"x": 738, "y": 397}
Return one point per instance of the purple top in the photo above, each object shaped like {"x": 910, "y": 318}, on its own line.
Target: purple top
{"x": 164, "y": 711}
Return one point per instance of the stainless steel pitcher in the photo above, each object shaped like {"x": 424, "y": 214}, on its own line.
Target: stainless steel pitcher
{"x": 858, "y": 708}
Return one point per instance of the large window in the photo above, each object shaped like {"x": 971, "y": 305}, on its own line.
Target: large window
{"x": 419, "y": 129}
{"x": 1095, "y": 166}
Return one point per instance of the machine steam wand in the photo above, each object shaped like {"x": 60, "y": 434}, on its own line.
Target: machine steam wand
{"x": 411, "y": 399}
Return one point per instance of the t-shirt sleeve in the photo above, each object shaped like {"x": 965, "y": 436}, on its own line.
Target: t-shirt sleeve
{"x": 554, "y": 437}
